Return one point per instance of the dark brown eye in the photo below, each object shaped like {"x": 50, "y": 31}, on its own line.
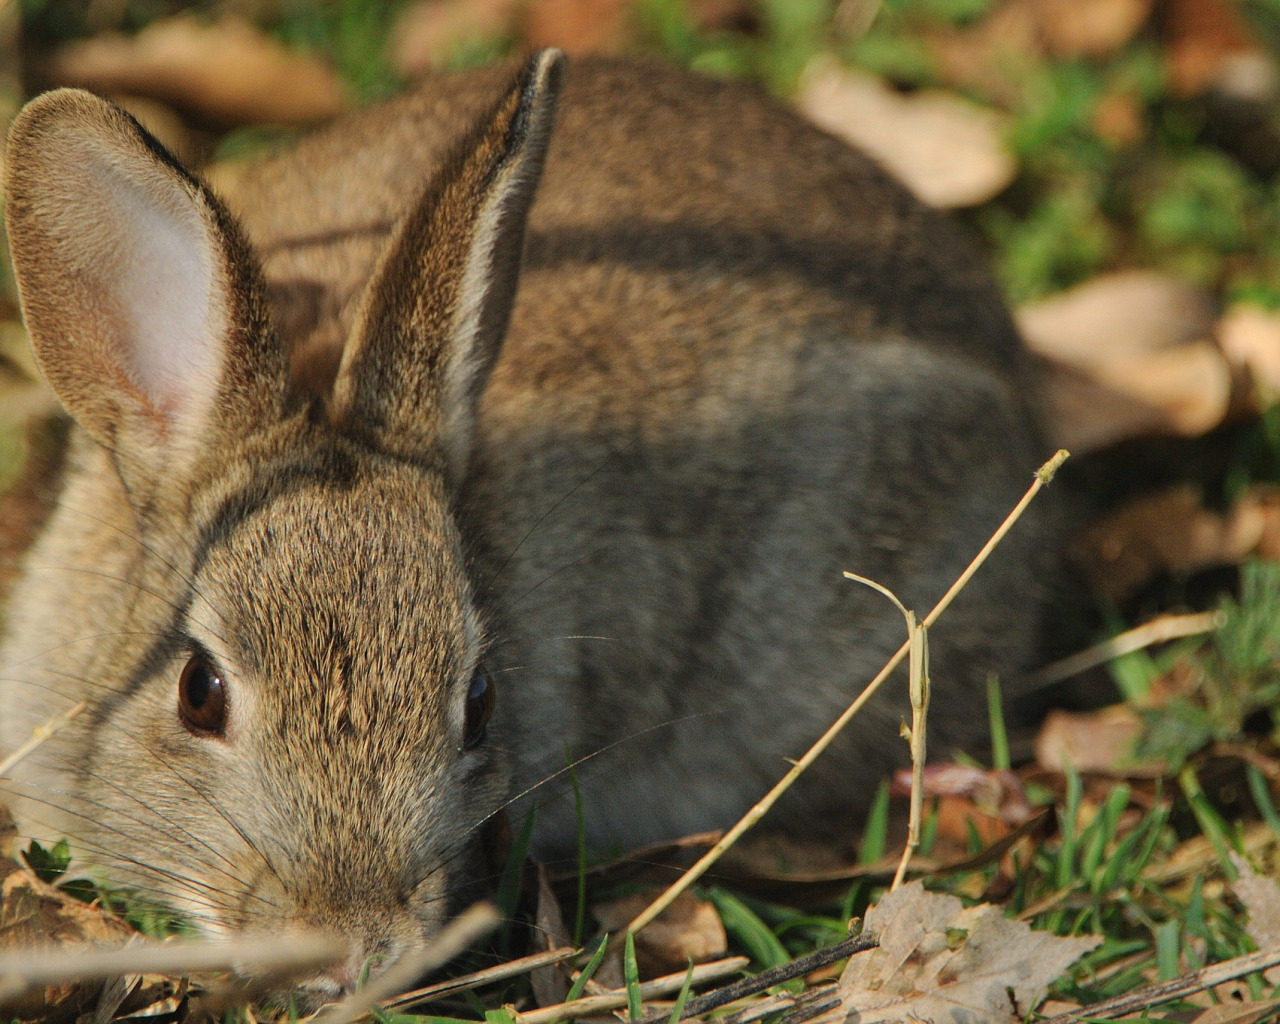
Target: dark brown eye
{"x": 202, "y": 698}
{"x": 479, "y": 707}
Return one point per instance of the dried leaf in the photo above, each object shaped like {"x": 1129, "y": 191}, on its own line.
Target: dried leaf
{"x": 1261, "y": 898}
{"x": 1173, "y": 532}
{"x": 1130, "y": 354}
{"x": 948, "y": 151}
{"x": 34, "y": 915}
{"x": 1094, "y": 741}
{"x": 1244, "y": 1012}
{"x": 992, "y": 55}
{"x": 1250, "y": 337}
{"x": 1126, "y": 313}
{"x": 226, "y": 72}
{"x": 995, "y": 792}
{"x": 550, "y": 984}
{"x": 428, "y": 32}
{"x": 1077, "y": 28}
{"x": 578, "y": 26}
{"x": 689, "y": 928}
{"x": 939, "y": 961}
{"x": 1201, "y": 37}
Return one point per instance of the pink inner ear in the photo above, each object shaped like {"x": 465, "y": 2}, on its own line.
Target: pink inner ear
{"x": 152, "y": 267}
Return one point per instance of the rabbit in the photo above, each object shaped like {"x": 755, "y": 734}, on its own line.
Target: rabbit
{"x": 526, "y": 420}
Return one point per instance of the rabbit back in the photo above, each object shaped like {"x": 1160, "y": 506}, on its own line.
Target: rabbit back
{"x": 741, "y": 360}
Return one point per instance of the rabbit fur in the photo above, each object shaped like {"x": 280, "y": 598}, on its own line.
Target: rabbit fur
{"x": 327, "y": 454}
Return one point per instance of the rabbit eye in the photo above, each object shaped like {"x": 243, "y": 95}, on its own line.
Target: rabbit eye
{"x": 202, "y": 698}
{"x": 480, "y": 698}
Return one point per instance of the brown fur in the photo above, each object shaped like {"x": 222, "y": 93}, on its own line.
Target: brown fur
{"x": 740, "y": 359}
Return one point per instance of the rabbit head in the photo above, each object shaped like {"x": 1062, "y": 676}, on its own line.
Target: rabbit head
{"x": 261, "y": 594}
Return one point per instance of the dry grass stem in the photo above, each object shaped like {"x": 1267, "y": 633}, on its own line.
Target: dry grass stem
{"x": 465, "y": 929}
{"x": 1159, "y": 630}
{"x": 1175, "y": 988}
{"x": 487, "y": 976}
{"x": 668, "y": 984}
{"x": 1043, "y": 475}
{"x": 918, "y": 687}
{"x": 28, "y": 969}
{"x": 39, "y": 735}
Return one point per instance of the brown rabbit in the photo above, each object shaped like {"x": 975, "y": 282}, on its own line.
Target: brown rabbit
{"x": 337, "y": 484}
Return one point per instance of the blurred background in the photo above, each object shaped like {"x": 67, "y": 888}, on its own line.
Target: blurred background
{"x": 1120, "y": 158}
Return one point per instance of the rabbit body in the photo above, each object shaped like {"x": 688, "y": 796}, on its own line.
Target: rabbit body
{"x": 740, "y": 360}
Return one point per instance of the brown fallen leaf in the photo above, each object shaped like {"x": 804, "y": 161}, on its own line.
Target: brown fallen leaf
{"x": 428, "y": 32}
{"x": 1172, "y": 531}
{"x": 993, "y": 791}
{"x": 1200, "y": 39}
{"x": 938, "y": 960}
{"x": 689, "y": 929}
{"x": 550, "y": 983}
{"x": 1261, "y": 898}
{"x": 1250, "y": 338}
{"x": 224, "y": 73}
{"x": 1244, "y": 1012}
{"x": 1131, "y": 354}
{"x": 578, "y": 26}
{"x": 1118, "y": 118}
{"x": 34, "y": 915}
{"x": 1124, "y": 313}
{"x": 948, "y": 151}
{"x": 1100, "y": 741}
{"x": 1078, "y": 28}
{"x": 992, "y": 55}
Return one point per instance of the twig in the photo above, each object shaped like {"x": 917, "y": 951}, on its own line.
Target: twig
{"x": 1043, "y": 475}
{"x": 918, "y": 688}
{"x": 767, "y": 979}
{"x": 1175, "y": 988}
{"x": 30, "y": 969}
{"x": 1159, "y": 630}
{"x": 667, "y": 985}
{"x": 456, "y": 936}
{"x": 486, "y": 976}
{"x": 39, "y": 734}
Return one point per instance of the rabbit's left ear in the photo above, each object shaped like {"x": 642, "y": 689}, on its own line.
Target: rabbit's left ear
{"x": 435, "y": 313}
{"x": 142, "y": 301}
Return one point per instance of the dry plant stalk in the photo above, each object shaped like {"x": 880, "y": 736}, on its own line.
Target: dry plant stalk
{"x": 484, "y": 976}
{"x": 1159, "y": 630}
{"x": 1175, "y": 988}
{"x": 28, "y": 969}
{"x": 1043, "y": 475}
{"x": 615, "y": 999}
{"x": 39, "y": 734}
{"x": 918, "y": 688}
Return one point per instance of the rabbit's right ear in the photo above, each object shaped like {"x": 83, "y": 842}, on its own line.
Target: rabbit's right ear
{"x": 436, "y": 310}
{"x": 143, "y": 303}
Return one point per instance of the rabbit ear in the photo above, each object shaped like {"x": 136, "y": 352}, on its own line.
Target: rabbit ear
{"x": 436, "y": 310}
{"x": 141, "y": 299}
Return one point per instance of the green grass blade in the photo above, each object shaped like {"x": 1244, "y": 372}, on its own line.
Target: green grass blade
{"x": 745, "y": 925}
{"x": 683, "y": 997}
{"x": 584, "y": 975}
{"x": 875, "y": 833}
{"x": 1167, "y": 950}
{"x": 631, "y": 973}
{"x": 999, "y": 736}
{"x": 1261, "y": 793}
{"x": 1211, "y": 824}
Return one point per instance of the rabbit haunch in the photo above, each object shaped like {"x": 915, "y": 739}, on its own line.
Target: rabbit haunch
{"x": 337, "y": 482}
